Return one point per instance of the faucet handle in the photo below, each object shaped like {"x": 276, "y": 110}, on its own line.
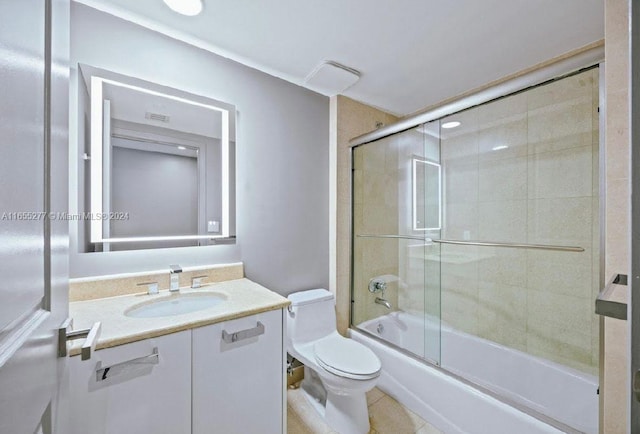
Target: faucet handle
{"x": 377, "y": 284}
{"x": 196, "y": 282}
{"x": 152, "y": 287}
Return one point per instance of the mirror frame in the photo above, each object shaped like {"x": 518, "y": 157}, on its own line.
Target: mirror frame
{"x": 97, "y": 148}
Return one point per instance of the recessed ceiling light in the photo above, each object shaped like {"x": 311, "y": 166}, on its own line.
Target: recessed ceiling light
{"x": 185, "y": 7}
{"x": 497, "y": 148}
{"x": 451, "y": 124}
{"x": 182, "y": 148}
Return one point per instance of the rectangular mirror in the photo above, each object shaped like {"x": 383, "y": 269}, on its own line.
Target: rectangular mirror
{"x": 427, "y": 197}
{"x": 161, "y": 165}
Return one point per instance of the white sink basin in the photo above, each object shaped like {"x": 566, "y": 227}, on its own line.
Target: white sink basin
{"x": 176, "y": 304}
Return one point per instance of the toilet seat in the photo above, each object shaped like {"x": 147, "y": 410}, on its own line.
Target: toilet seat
{"x": 346, "y": 358}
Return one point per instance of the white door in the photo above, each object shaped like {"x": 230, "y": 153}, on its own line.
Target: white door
{"x": 33, "y": 181}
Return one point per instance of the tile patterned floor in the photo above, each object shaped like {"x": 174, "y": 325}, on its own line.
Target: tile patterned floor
{"x": 386, "y": 415}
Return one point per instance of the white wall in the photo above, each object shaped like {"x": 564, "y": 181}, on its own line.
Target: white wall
{"x": 282, "y": 155}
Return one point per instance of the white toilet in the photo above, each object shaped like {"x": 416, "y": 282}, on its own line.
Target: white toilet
{"x": 338, "y": 371}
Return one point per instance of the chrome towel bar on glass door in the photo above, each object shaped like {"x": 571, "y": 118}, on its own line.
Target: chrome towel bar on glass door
{"x": 480, "y": 243}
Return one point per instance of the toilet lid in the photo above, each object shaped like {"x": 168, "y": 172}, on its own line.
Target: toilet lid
{"x": 347, "y": 358}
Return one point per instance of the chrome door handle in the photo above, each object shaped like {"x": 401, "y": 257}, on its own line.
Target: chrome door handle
{"x": 243, "y": 334}
{"x": 90, "y": 337}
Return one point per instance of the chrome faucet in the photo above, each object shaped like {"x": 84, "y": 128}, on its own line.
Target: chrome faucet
{"x": 379, "y": 285}
{"x": 383, "y": 302}
{"x": 175, "y": 271}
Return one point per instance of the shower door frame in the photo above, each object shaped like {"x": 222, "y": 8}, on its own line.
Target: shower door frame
{"x": 587, "y": 58}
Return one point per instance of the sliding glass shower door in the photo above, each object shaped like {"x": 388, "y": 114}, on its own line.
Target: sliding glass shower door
{"x": 476, "y": 245}
{"x": 397, "y": 208}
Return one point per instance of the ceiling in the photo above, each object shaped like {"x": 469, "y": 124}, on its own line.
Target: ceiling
{"x": 410, "y": 53}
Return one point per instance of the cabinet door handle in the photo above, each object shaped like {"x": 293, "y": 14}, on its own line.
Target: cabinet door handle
{"x": 243, "y": 334}
{"x": 102, "y": 373}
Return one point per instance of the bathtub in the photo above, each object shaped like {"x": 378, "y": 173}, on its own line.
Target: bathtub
{"x": 566, "y": 395}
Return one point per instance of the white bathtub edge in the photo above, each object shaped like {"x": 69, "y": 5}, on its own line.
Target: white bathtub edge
{"x": 513, "y": 419}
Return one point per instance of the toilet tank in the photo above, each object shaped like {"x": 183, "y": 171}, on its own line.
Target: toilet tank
{"x": 312, "y": 315}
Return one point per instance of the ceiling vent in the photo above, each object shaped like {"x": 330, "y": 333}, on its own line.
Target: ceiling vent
{"x": 157, "y": 117}
{"x": 331, "y": 78}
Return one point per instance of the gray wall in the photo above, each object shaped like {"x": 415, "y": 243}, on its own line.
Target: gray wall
{"x": 282, "y": 189}
{"x": 157, "y": 204}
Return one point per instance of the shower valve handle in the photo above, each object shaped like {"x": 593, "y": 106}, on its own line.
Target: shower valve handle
{"x": 377, "y": 285}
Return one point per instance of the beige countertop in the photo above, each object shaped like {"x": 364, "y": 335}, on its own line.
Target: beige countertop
{"x": 243, "y": 298}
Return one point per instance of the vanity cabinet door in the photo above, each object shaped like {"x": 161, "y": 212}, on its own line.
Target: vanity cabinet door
{"x": 142, "y": 393}
{"x": 238, "y": 387}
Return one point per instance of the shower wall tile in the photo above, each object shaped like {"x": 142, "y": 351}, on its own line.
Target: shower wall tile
{"x": 380, "y": 188}
{"x": 459, "y": 286}
{"x": 561, "y": 273}
{"x": 375, "y": 220}
{"x": 419, "y": 288}
{"x": 460, "y": 307}
{"x": 560, "y": 221}
{"x": 561, "y": 126}
{"x": 558, "y": 351}
{"x": 558, "y": 316}
{"x": 503, "y": 180}
{"x": 505, "y": 109}
{"x": 569, "y": 89}
{"x": 565, "y": 173}
{"x": 349, "y": 119}
{"x": 461, "y": 142}
{"x": 506, "y": 138}
{"x": 502, "y": 314}
{"x": 461, "y": 181}
{"x": 380, "y": 257}
{"x": 503, "y": 266}
{"x": 502, "y": 147}
{"x": 503, "y": 221}
{"x": 542, "y": 189}
{"x": 374, "y": 159}
{"x": 559, "y": 329}
{"x": 459, "y": 148}
{"x": 461, "y": 219}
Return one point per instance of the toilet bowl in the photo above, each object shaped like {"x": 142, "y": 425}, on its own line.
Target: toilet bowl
{"x": 338, "y": 371}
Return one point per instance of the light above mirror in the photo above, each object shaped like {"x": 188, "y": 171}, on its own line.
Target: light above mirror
{"x": 189, "y": 8}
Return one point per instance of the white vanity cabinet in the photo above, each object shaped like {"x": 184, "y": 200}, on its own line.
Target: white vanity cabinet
{"x": 147, "y": 388}
{"x": 238, "y": 376}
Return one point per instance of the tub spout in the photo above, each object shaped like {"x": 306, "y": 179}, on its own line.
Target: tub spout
{"x": 383, "y": 302}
